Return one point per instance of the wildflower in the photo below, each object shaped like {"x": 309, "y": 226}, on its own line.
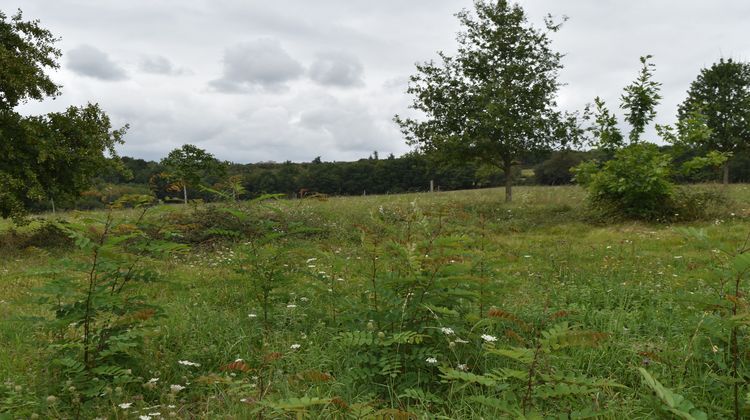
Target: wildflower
{"x": 144, "y": 417}
{"x": 176, "y": 388}
{"x": 304, "y": 299}
{"x": 447, "y": 331}
{"x": 714, "y": 349}
{"x": 51, "y": 399}
{"x": 463, "y": 367}
{"x": 291, "y": 306}
{"x": 458, "y": 340}
{"x": 188, "y": 363}
{"x": 252, "y": 315}
{"x": 153, "y": 380}
{"x": 488, "y": 338}
{"x": 295, "y": 346}
{"x": 431, "y": 360}
{"x": 124, "y": 406}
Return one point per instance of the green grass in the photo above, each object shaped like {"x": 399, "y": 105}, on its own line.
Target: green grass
{"x": 642, "y": 285}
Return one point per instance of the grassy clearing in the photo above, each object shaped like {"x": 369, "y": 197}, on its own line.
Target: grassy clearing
{"x": 449, "y": 269}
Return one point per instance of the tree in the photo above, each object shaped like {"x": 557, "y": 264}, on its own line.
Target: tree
{"x": 495, "y": 99}
{"x": 720, "y": 96}
{"x": 43, "y": 157}
{"x": 188, "y": 164}
{"x": 640, "y": 100}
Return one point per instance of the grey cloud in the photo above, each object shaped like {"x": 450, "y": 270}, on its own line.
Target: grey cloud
{"x": 348, "y": 127}
{"x": 262, "y": 63}
{"x": 92, "y": 62}
{"x": 158, "y": 64}
{"x": 337, "y": 69}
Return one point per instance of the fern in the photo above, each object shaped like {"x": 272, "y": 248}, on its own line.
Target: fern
{"x": 673, "y": 402}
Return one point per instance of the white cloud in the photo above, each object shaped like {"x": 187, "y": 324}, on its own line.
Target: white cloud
{"x": 92, "y": 62}
{"x": 262, "y": 63}
{"x": 337, "y": 69}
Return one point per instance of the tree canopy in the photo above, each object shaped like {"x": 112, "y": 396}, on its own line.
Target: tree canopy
{"x": 48, "y": 156}
{"x": 494, "y": 100}
{"x": 187, "y": 164}
{"x": 719, "y": 100}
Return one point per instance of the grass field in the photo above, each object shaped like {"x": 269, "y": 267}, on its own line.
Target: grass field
{"x": 445, "y": 305}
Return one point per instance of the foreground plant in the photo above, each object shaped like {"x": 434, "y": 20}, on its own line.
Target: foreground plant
{"x": 100, "y": 316}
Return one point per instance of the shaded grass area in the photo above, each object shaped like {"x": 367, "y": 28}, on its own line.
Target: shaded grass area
{"x": 642, "y": 285}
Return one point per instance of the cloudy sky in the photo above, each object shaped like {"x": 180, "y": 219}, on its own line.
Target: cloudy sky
{"x": 258, "y": 80}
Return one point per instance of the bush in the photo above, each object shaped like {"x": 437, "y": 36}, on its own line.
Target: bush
{"x": 636, "y": 184}
{"x": 556, "y": 169}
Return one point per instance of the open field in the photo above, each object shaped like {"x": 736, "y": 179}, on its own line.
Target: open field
{"x": 445, "y": 305}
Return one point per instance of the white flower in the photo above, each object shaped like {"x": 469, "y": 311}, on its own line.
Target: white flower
{"x": 188, "y": 363}
{"x": 144, "y": 417}
{"x": 291, "y": 305}
{"x": 295, "y": 346}
{"x": 488, "y": 338}
{"x": 125, "y": 406}
{"x": 304, "y": 299}
{"x": 458, "y": 340}
{"x": 153, "y": 380}
{"x": 462, "y": 367}
{"x": 176, "y": 388}
{"x": 431, "y": 360}
{"x": 252, "y": 315}
{"x": 447, "y": 331}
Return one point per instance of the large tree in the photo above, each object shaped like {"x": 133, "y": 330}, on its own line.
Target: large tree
{"x": 188, "y": 164}
{"x": 720, "y": 97}
{"x": 49, "y": 156}
{"x": 496, "y": 99}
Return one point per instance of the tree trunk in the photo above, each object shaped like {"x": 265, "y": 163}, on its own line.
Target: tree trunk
{"x": 726, "y": 173}
{"x": 184, "y": 192}
{"x": 508, "y": 169}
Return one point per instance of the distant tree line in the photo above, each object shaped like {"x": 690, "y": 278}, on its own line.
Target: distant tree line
{"x": 392, "y": 175}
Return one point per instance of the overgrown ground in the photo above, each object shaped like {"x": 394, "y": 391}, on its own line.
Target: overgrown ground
{"x": 446, "y": 305}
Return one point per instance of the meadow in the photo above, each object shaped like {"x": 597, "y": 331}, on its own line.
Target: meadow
{"x": 430, "y": 305}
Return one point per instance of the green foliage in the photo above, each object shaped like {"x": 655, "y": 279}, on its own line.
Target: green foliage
{"x": 557, "y": 169}
{"x": 26, "y": 51}
{"x": 673, "y": 403}
{"x": 100, "y": 318}
{"x": 718, "y": 102}
{"x": 188, "y": 164}
{"x": 604, "y": 129}
{"x": 495, "y": 99}
{"x": 640, "y": 100}
{"x": 50, "y": 156}
{"x": 636, "y": 184}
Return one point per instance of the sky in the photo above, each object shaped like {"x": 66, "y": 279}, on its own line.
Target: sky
{"x": 258, "y": 80}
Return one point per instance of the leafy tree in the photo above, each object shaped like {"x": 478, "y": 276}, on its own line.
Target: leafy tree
{"x": 495, "y": 99}
{"x": 640, "y": 100}
{"x": 188, "y": 164}
{"x": 26, "y": 51}
{"x": 43, "y": 157}
{"x": 636, "y": 183}
{"x": 720, "y": 97}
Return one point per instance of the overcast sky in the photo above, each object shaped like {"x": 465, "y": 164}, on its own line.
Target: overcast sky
{"x": 259, "y": 80}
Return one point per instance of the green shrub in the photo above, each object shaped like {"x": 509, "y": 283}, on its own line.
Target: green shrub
{"x": 636, "y": 184}
{"x": 556, "y": 169}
